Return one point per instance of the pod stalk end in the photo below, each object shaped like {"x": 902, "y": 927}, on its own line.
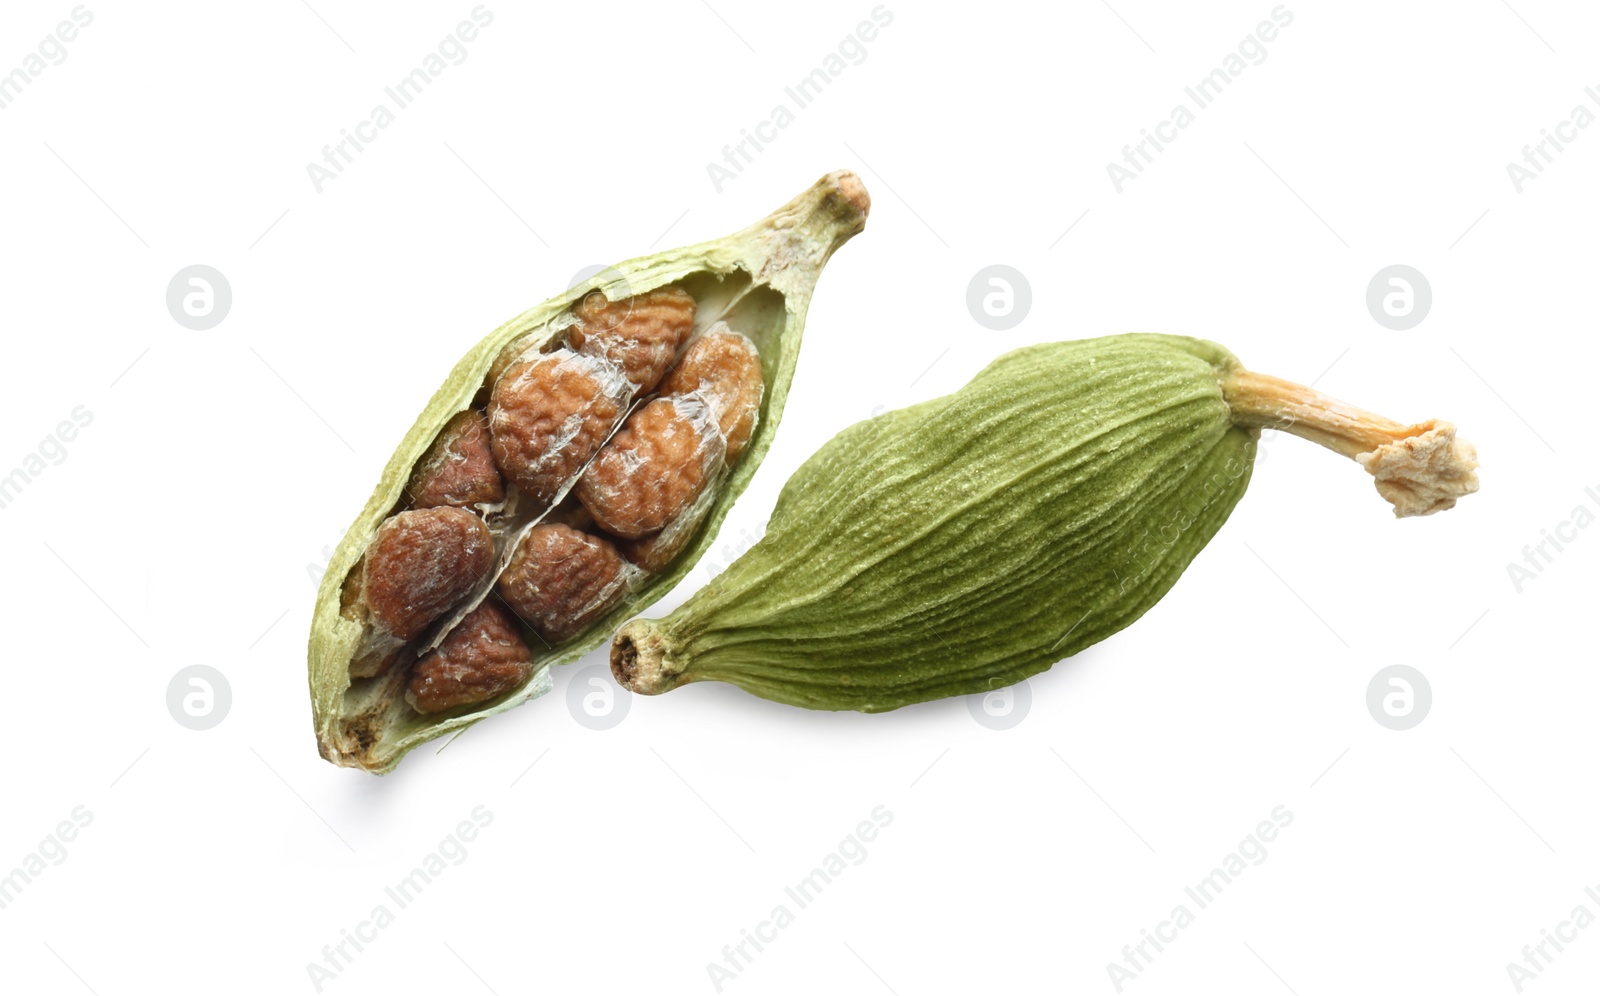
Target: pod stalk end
{"x": 1419, "y": 469}
{"x": 640, "y": 660}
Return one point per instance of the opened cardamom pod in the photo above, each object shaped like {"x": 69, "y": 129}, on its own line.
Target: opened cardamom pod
{"x": 570, "y": 470}
{"x": 965, "y": 543}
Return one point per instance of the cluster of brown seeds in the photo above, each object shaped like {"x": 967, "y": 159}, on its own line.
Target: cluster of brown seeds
{"x": 593, "y": 463}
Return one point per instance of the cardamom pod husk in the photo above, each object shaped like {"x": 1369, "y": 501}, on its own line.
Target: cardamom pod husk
{"x": 759, "y": 280}
{"x": 965, "y": 543}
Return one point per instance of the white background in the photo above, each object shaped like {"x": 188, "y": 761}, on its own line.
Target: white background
{"x": 186, "y": 522}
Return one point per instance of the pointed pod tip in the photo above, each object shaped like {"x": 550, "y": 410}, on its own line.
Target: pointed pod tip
{"x": 851, "y": 189}
{"x": 810, "y": 227}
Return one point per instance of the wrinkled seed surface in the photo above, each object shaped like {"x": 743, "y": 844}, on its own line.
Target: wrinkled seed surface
{"x": 421, "y": 563}
{"x": 641, "y": 334}
{"x": 548, "y": 415}
{"x": 724, "y": 368}
{"x": 459, "y": 469}
{"x": 561, "y": 579}
{"x": 653, "y": 469}
{"x": 482, "y": 657}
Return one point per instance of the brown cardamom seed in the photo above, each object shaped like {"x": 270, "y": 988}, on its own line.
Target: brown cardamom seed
{"x": 482, "y": 657}
{"x": 640, "y": 334}
{"x": 420, "y": 564}
{"x": 459, "y": 470}
{"x": 560, "y": 579}
{"x": 550, "y": 413}
{"x": 654, "y": 468}
{"x": 723, "y": 367}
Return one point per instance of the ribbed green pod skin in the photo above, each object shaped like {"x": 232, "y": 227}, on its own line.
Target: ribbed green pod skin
{"x": 965, "y": 543}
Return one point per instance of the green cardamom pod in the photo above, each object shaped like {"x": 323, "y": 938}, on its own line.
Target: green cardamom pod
{"x": 571, "y": 469}
{"x": 965, "y": 543}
